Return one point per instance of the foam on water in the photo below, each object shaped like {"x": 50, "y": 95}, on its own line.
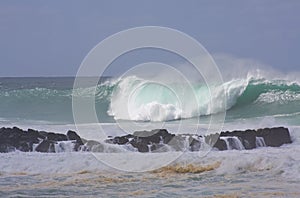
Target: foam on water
{"x": 251, "y": 103}
{"x": 134, "y": 98}
{"x": 218, "y": 172}
{"x": 233, "y": 143}
{"x": 282, "y": 161}
{"x": 260, "y": 142}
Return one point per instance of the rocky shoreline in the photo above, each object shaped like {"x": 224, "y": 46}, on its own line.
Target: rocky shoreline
{"x": 159, "y": 140}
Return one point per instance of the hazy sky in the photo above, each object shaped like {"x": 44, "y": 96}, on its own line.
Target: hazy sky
{"x": 51, "y": 38}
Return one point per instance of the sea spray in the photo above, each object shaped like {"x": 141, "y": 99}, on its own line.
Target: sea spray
{"x": 132, "y": 98}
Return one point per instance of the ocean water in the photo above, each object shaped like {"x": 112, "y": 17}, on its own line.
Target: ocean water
{"x": 128, "y": 104}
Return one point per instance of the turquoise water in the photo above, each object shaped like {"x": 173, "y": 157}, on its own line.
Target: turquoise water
{"x": 50, "y": 99}
{"x": 46, "y": 104}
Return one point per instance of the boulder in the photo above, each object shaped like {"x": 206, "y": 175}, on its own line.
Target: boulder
{"x": 220, "y": 145}
{"x": 46, "y": 146}
{"x": 141, "y": 146}
{"x": 56, "y": 137}
{"x": 72, "y": 135}
{"x": 275, "y": 137}
{"x": 158, "y": 140}
{"x": 195, "y": 145}
{"x": 177, "y": 143}
{"x": 17, "y": 139}
{"x": 247, "y": 138}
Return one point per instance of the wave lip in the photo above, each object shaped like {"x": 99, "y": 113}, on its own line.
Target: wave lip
{"x": 137, "y": 99}
{"x": 241, "y": 95}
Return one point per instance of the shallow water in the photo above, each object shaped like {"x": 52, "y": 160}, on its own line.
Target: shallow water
{"x": 263, "y": 172}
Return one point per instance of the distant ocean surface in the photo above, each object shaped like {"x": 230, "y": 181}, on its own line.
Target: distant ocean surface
{"x": 46, "y": 104}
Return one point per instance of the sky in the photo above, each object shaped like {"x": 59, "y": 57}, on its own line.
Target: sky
{"x": 51, "y": 38}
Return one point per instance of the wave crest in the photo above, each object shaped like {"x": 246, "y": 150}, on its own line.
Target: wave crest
{"x": 157, "y": 103}
{"x": 133, "y": 98}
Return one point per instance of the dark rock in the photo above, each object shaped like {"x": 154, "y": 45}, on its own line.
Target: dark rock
{"x": 154, "y": 136}
{"x": 72, "y": 135}
{"x": 33, "y": 134}
{"x": 220, "y": 145}
{"x": 43, "y": 134}
{"x": 195, "y": 145}
{"x": 46, "y": 146}
{"x": 120, "y": 140}
{"x": 56, "y": 137}
{"x": 12, "y": 139}
{"x": 17, "y": 139}
{"x": 158, "y": 140}
{"x": 178, "y": 143}
{"x": 275, "y": 136}
{"x": 144, "y": 141}
{"x": 142, "y": 147}
{"x": 247, "y": 138}
{"x": 5, "y": 148}
{"x": 211, "y": 139}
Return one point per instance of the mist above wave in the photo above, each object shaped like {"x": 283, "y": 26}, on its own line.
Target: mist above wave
{"x": 138, "y": 99}
{"x": 134, "y": 98}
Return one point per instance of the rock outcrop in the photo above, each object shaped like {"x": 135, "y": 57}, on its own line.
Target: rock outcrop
{"x": 275, "y": 136}
{"x": 12, "y": 139}
{"x": 159, "y": 140}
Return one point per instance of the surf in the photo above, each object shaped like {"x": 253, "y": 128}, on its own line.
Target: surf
{"x": 138, "y": 99}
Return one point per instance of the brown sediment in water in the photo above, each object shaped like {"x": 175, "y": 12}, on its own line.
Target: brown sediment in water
{"x": 83, "y": 172}
{"x": 93, "y": 181}
{"x": 224, "y": 196}
{"x": 138, "y": 192}
{"x": 281, "y": 194}
{"x": 19, "y": 173}
{"x": 257, "y": 194}
{"x": 190, "y": 168}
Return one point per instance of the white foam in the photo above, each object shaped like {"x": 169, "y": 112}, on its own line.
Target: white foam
{"x": 233, "y": 142}
{"x": 283, "y": 161}
{"x": 64, "y": 146}
{"x": 260, "y": 142}
{"x": 174, "y": 101}
{"x": 278, "y": 96}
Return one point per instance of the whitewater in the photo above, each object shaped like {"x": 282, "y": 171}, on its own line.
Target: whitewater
{"x": 251, "y": 103}
{"x": 132, "y": 98}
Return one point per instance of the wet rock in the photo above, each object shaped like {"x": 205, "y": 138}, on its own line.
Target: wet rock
{"x": 211, "y": 139}
{"x": 275, "y": 137}
{"x": 247, "y": 138}
{"x": 177, "y": 143}
{"x": 17, "y": 139}
{"x": 195, "y": 145}
{"x": 12, "y": 139}
{"x": 144, "y": 141}
{"x": 93, "y": 146}
{"x": 56, "y": 137}
{"x": 141, "y": 146}
{"x": 121, "y": 140}
{"x": 159, "y": 140}
{"x": 220, "y": 145}
{"x": 46, "y": 146}
{"x": 72, "y": 135}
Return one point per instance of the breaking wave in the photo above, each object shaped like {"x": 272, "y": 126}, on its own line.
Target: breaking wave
{"x": 136, "y": 99}
{"x": 133, "y": 98}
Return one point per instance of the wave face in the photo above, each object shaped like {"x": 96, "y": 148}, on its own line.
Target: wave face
{"x": 132, "y": 98}
{"x": 245, "y": 98}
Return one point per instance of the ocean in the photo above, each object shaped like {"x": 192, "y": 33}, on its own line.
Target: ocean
{"x": 132, "y": 103}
